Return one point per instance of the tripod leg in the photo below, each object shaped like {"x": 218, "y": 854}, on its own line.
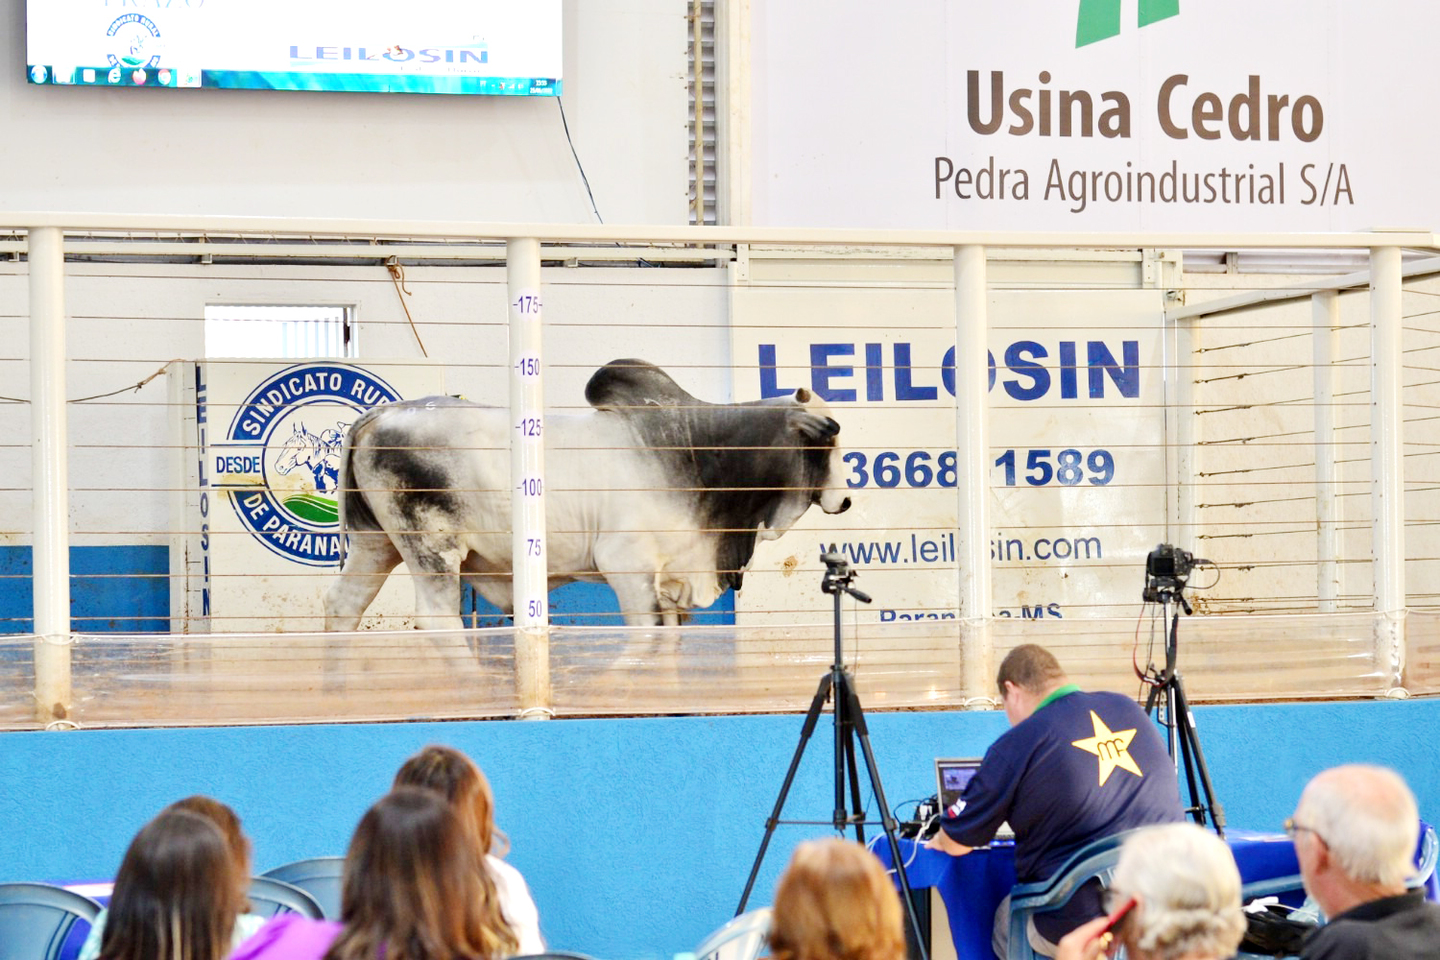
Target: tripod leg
{"x": 847, "y": 724}
{"x": 1217, "y": 812}
{"x": 822, "y": 693}
{"x": 1186, "y": 762}
{"x": 857, "y": 728}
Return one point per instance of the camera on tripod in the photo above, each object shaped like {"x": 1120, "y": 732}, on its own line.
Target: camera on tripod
{"x": 1167, "y": 568}
{"x": 839, "y": 577}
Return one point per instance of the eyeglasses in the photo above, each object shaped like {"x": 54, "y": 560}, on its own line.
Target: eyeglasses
{"x": 1292, "y": 828}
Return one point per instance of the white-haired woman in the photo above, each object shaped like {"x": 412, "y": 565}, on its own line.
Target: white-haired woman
{"x": 1187, "y": 900}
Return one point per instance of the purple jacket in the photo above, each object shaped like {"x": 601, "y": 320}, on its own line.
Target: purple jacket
{"x": 289, "y": 937}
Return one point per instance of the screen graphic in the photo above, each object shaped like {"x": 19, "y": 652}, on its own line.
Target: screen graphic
{"x": 510, "y": 48}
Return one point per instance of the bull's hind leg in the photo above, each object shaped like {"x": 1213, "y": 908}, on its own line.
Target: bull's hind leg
{"x": 434, "y": 562}
{"x": 368, "y": 561}
{"x": 435, "y": 569}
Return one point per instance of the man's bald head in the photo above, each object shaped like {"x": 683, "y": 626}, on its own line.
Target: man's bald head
{"x": 1367, "y": 817}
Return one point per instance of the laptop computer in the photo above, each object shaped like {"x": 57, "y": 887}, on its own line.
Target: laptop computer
{"x": 951, "y": 776}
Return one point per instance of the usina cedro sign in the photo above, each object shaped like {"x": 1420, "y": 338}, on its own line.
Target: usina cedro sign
{"x": 260, "y": 446}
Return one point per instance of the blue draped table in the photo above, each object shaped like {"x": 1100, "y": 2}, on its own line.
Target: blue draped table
{"x": 972, "y": 886}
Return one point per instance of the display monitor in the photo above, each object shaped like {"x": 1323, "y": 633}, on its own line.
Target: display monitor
{"x": 496, "y": 47}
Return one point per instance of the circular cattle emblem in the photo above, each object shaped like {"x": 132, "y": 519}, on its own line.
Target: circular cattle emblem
{"x": 134, "y": 42}
{"x": 280, "y": 459}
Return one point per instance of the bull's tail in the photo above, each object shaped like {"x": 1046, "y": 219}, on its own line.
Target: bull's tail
{"x": 352, "y": 505}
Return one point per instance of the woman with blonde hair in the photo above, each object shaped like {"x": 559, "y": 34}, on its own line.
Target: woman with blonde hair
{"x": 1186, "y": 889}
{"x": 412, "y": 889}
{"x": 836, "y": 902}
{"x": 455, "y": 777}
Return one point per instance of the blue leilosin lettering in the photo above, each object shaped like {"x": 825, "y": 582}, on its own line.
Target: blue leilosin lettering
{"x": 1020, "y": 359}
{"x": 1023, "y": 375}
{"x": 904, "y": 389}
{"x": 821, "y": 373}
{"x": 1101, "y": 361}
{"x": 874, "y": 372}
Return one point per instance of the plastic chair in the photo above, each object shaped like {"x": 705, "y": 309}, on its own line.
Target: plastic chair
{"x": 317, "y": 876}
{"x": 742, "y": 938}
{"x": 1094, "y": 860}
{"x": 37, "y": 919}
{"x": 1427, "y": 851}
{"x": 270, "y": 897}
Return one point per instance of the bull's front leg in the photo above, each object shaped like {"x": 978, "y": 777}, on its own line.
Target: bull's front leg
{"x": 627, "y": 564}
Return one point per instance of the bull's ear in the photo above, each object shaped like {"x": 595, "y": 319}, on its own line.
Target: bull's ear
{"x": 812, "y": 426}
{"x": 802, "y": 395}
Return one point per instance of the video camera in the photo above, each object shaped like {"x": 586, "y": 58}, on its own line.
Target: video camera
{"x": 1166, "y": 570}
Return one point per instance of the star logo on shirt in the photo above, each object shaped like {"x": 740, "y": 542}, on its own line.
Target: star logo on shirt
{"x": 1111, "y": 746}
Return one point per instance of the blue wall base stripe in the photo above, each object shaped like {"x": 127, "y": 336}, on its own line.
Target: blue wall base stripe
{"x": 126, "y": 589}
{"x": 112, "y": 589}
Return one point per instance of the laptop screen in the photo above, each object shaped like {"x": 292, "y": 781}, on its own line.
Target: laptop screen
{"x": 951, "y": 776}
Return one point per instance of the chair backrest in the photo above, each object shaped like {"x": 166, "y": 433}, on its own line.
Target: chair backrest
{"x": 317, "y": 876}
{"x": 269, "y": 897}
{"x": 1427, "y": 851}
{"x": 554, "y": 955}
{"x": 742, "y": 938}
{"x": 1094, "y": 860}
{"x": 37, "y": 920}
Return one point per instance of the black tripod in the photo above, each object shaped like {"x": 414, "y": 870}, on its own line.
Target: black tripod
{"x": 1167, "y": 688}
{"x": 849, "y": 725}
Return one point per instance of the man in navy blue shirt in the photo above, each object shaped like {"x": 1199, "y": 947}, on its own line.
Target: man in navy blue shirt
{"x": 1072, "y": 768}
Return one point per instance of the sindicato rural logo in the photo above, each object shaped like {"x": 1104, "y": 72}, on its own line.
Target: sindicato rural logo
{"x": 281, "y": 456}
{"x": 1100, "y": 19}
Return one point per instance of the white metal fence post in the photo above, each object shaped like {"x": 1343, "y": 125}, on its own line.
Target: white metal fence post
{"x": 1387, "y": 487}
{"x": 972, "y": 466}
{"x": 51, "y": 548}
{"x": 527, "y": 479}
{"x": 1325, "y": 333}
{"x": 1181, "y": 413}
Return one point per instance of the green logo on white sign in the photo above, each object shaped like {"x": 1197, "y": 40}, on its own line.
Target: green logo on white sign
{"x": 1100, "y": 19}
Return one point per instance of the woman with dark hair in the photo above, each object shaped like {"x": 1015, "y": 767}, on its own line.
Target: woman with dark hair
{"x": 175, "y": 896}
{"x": 239, "y": 845}
{"x": 456, "y": 777}
{"x": 413, "y": 889}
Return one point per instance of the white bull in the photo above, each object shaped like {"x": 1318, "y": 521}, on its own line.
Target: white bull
{"x": 659, "y": 494}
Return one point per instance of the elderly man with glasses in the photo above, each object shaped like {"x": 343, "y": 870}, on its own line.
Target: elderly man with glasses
{"x": 1355, "y": 831}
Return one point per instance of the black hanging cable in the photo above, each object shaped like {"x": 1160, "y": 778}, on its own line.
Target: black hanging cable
{"x": 578, "y": 165}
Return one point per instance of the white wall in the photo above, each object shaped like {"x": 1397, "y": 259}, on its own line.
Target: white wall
{"x": 128, "y": 320}
{"x": 293, "y": 153}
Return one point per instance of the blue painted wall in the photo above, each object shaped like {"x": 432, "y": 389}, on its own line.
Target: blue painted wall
{"x": 124, "y": 588}
{"x": 636, "y": 835}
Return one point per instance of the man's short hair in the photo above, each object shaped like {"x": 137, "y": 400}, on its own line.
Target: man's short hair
{"x": 1367, "y": 817}
{"x": 1030, "y": 666}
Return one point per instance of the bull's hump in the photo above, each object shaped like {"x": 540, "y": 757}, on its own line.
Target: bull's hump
{"x": 632, "y": 383}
